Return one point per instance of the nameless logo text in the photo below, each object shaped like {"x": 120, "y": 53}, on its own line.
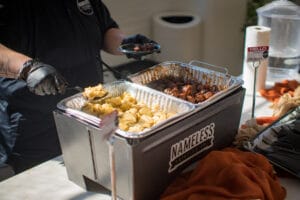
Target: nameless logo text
{"x": 191, "y": 146}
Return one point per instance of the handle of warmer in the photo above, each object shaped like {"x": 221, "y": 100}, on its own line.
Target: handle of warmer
{"x": 192, "y": 62}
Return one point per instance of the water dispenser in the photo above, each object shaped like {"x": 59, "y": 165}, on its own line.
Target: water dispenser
{"x": 283, "y": 17}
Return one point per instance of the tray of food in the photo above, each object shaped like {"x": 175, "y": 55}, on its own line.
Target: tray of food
{"x": 280, "y": 142}
{"x": 141, "y": 110}
{"x": 196, "y": 82}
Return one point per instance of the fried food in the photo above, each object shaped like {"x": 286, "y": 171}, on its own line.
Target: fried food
{"x": 133, "y": 116}
{"x": 94, "y": 92}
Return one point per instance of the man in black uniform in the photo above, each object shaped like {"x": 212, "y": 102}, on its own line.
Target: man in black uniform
{"x": 67, "y": 35}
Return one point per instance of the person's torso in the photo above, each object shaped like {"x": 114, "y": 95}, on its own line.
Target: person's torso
{"x": 61, "y": 33}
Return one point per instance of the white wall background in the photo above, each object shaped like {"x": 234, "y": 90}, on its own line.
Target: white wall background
{"x": 222, "y": 22}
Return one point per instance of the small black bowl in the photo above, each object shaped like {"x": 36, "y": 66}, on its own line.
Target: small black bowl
{"x": 140, "y": 49}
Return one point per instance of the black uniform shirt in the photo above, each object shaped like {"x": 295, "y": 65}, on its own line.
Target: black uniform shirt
{"x": 63, "y": 33}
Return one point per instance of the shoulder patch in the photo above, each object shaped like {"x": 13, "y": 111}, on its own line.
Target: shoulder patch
{"x": 85, "y": 7}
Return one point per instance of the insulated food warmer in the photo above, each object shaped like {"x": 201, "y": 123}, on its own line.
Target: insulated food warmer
{"x": 147, "y": 162}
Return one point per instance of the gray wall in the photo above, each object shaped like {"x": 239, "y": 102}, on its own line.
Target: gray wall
{"x": 222, "y": 21}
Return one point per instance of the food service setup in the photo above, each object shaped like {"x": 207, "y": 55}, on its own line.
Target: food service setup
{"x": 146, "y": 160}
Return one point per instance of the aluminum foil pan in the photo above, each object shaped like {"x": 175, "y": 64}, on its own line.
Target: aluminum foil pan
{"x": 72, "y": 106}
{"x": 189, "y": 71}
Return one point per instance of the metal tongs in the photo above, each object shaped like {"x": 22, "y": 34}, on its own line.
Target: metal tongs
{"x": 109, "y": 125}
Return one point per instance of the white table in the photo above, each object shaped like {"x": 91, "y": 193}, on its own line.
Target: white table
{"x": 49, "y": 180}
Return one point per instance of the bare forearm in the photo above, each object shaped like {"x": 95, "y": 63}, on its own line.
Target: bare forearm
{"x": 10, "y": 62}
{"x": 112, "y": 40}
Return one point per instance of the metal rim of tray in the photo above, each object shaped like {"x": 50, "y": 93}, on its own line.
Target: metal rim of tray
{"x": 237, "y": 82}
{"x": 95, "y": 121}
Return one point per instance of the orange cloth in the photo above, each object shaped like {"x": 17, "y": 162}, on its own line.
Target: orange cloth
{"x": 228, "y": 174}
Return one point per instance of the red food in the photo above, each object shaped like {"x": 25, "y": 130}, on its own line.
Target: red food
{"x": 136, "y": 48}
{"x": 265, "y": 120}
{"x": 279, "y": 88}
{"x": 190, "y": 90}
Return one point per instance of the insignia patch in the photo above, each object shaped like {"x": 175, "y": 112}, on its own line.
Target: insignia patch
{"x": 85, "y": 7}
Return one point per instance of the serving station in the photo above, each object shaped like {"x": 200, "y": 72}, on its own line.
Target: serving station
{"x": 147, "y": 161}
{"x": 50, "y": 179}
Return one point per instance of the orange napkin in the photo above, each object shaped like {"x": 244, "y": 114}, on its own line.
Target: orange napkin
{"x": 228, "y": 174}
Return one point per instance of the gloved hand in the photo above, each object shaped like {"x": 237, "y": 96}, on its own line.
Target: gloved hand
{"x": 42, "y": 79}
{"x": 136, "y": 39}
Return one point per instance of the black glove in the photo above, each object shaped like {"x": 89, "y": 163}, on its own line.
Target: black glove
{"x": 136, "y": 39}
{"x": 42, "y": 79}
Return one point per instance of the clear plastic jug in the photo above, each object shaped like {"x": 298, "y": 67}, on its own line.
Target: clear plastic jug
{"x": 283, "y": 17}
